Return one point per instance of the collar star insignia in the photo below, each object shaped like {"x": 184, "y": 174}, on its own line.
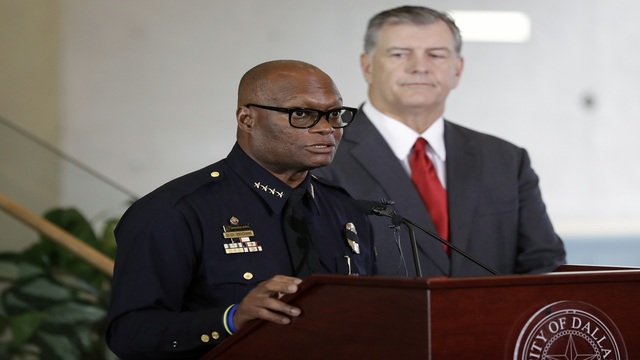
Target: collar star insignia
{"x": 267, "y": 189}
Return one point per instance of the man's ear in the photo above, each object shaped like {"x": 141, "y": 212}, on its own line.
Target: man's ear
{"x": 365, "y": 66}
{"x": 457, "y": 70}
{"x": 245, "y": 118}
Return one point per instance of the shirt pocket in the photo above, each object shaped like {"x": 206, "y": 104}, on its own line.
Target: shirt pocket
{"x": 240, "y": 269}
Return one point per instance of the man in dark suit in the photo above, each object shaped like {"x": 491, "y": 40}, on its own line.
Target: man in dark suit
{"x": 489, "y": 200}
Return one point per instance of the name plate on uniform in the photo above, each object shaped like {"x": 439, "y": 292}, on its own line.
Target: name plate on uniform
{"x": 236, "y": 231}
{"x": 239, "y": 235}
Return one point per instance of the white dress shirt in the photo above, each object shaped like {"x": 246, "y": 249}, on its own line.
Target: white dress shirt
{"x": 401, "y": 138}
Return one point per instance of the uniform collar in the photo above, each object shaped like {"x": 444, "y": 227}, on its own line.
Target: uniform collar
{"x": 274, "y": 192}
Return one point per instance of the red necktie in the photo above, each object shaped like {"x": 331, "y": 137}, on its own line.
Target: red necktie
{"x": 434, "y": 196}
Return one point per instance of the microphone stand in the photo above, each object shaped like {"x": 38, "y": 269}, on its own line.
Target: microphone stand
{"x": 414, "y": 248}
{"x": 382, "y": 209}
{"x": 448, "y": 244}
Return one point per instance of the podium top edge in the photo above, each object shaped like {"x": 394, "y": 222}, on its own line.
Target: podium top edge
{"x": 564, "y": 275}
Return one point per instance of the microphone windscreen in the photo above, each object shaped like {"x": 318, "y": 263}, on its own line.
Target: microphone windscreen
{"x": 367, "y": 206}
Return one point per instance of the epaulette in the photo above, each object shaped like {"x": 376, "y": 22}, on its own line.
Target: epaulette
{"x": 329, "y": 183}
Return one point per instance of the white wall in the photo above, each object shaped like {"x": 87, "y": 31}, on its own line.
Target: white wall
{"x": 29, "y": 96}
{"x": 149, "y": 88}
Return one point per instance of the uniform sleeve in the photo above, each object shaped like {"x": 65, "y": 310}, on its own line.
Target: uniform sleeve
{"x": 156, "y": 262}
{"x": 539, "y": 248}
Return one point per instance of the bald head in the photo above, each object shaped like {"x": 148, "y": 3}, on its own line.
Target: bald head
{"x": 264, "y": 130}
{"x": 263, "y": 83}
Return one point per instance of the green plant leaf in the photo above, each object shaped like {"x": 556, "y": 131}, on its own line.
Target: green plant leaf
{"x": 53, "y": 255}
{"x": 84, "y": 336}
{"x": 41, "y": 253}
{"x": 59, "y": 347}
{"x": 72, "y": 281}
{"x": 9, "y": 266}
{"x": 24, "y": 325}
{"x": 4, "y": 323}
{"x": 8, "y": 271}
{"x": 45, "y": 288}
{"x": 13, "y": 304}
{"x": 27, "y": 270}
{"x": 14, "y": 266}
{"x": 73, "y": 222}
{"x": 71, "y": 313}
{"x": 108, "y": 244}
{"x": 34, "y": 294}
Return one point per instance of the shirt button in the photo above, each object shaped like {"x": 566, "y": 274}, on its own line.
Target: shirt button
{"x": 247, "y": 276}
{"x": 204, "y": 338}
{"x": 215, "y": 335}
{"x": 215, "y": 174}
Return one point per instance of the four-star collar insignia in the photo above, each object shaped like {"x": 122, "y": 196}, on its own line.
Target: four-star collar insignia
{"x": 273, "y": 191}
{"x": 268, "y": 189}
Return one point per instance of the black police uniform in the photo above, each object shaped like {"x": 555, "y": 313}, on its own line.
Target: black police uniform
{"x": 176, "y": 273}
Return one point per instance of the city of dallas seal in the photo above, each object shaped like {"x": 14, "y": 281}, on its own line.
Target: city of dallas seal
{"x": 570, "y": 330}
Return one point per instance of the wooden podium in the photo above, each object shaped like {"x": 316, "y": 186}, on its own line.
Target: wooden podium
{"x": 573, "y": 313}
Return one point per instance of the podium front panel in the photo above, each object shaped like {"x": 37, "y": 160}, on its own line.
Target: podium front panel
{"x": 589, "y": 314}
{"x": 528, "y": 317}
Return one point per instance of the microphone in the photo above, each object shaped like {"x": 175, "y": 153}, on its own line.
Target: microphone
{"x": 383, "y": 209}
{"x": 380, "y": 208}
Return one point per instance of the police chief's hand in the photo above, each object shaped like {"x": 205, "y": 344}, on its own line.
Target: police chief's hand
{"x": 263, "y": 302}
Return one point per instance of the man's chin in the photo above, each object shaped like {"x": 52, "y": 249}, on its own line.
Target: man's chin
{"x": 321, "y": 163}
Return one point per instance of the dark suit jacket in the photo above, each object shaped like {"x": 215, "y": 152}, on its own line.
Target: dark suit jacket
{"x": 496, "y": 212}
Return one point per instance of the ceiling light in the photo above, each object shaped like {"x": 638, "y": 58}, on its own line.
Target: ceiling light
{"x": 493, "y": 26}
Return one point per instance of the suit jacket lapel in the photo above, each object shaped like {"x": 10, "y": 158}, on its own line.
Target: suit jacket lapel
{"x": 464, "y": 164}
{"x": 376, "y": 157}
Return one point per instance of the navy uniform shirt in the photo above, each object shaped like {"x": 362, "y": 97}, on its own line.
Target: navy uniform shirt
{"x": 176, "y": 274}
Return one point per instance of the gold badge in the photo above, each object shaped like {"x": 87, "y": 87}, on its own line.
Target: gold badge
{"x": 352, "y": 237}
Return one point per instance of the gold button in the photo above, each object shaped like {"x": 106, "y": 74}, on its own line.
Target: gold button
{"x": 215, "y": 335}
{"x": 215, "y": 174}
{"x": 204, "y": 338}
{"x": 247, "y": 276}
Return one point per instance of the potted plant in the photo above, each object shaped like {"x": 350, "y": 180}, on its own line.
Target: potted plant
{"x": 53, "y": 305}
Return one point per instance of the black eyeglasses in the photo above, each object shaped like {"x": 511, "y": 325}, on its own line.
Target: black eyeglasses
{"x": 302, "y": 118}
